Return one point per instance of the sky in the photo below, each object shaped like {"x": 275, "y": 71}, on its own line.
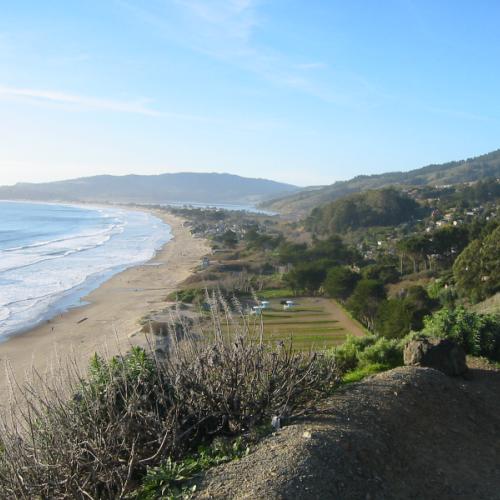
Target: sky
{"x": 305, "y": 92}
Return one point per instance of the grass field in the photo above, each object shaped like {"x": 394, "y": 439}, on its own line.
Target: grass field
{"x": 312, "y": 322}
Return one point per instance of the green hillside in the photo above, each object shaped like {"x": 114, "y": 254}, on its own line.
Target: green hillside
{"x": 382, "y": 207}
{"x": 472, "y": 169}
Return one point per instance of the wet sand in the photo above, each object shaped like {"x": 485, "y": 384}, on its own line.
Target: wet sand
{"x": 109, "y": 323}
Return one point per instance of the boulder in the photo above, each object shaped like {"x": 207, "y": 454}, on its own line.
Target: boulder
{"x": 442, "y": 354}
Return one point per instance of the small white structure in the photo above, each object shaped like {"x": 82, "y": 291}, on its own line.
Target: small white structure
{"x": 288, "y": 305}
{"x": 256, "y": 310}
{"x": 264, "y": 304}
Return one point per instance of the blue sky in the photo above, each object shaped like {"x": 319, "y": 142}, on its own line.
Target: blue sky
{"x": 307, "y": 92}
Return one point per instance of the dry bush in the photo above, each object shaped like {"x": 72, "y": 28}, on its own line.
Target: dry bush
{"x": 94, "y": 436}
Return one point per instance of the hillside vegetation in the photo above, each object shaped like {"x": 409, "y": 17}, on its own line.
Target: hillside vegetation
{"x": 384, "y": 207}
{"x": 472, "y": 169}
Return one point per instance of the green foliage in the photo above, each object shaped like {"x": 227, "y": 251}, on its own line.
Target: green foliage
{"x": 228, "y": 239}
{"x": 449, "y": 240}
{"x": 292, "y": 253}
{"x": 334, "y": 250}
{"x": 365, "y": 301}
{"x": 478, "y": 334}
{"x": 347, "y": 354}
{"x": 381, "y": 207}
{"x": 306, "y": 277}
{"x": 136, "y": 368}
{"x": 275, "y": 293}
{"x": 340, "y": 282}
{"x": 360, "y": 373}
{"x": 358, "y": 352}
{"x": 169, "y": 480}
{"x": 443, "y": 291}
{"x": 259, "y": 241}
{"x": 396, "y": 317}
{"x": 393, "y": 319}
{"x": 385, "y": 273}
{"x": 187, "y": 295}
{"x": 472, "y": 169}
{"x": 386, "y": 352}
{"x": 477, "y": 269}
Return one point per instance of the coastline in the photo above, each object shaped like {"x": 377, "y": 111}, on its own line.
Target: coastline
{"x": 107, "y": 321}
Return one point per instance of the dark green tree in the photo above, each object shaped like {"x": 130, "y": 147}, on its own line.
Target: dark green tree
{"x": 365, "y": 301}
{"x": 340, "y": 282}
{"x": 306, "y": 277}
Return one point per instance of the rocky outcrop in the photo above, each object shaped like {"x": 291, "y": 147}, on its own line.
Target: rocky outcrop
{"x": 442, "y": 354}
{"x": 409, "y": 433}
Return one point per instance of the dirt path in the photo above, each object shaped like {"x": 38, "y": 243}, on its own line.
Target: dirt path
{"x": 345, "y": 321}
{"x": 411, "y": 433}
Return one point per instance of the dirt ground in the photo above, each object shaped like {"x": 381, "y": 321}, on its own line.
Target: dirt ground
{"x": 410, "y": 433}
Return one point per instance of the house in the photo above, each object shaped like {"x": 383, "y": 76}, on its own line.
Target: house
{"x": 264, "y": 304}
{"x": 205, "y": 262}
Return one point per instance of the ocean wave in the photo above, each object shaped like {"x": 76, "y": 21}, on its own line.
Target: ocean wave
{"x": 37, "y": 280}
{"x": 61, "y": 240}
{"x": 20, "y": 257}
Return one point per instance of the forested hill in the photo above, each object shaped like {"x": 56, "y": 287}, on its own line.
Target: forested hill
{"x": 382, "y": 207}
{"x": 472, "y": 169}
{"x": 180, "y": 187}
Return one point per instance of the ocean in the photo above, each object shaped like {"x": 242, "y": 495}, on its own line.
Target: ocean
{"x": 52, "y": 255}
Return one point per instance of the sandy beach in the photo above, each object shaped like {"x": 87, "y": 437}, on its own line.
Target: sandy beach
{"x": 109, "y": 322}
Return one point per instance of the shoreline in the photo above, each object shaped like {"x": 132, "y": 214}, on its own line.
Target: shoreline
{"x": 107, "y": 320}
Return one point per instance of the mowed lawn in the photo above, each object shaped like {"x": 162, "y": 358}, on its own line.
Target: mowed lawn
{"x": 312, "y": 322}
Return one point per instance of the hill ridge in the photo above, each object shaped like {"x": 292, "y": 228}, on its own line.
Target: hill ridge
{"x": 204, "y": 187}
{"x": 468, "y": 170}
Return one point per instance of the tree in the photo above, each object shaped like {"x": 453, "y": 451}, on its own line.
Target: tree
{"x": 365, "y": 301}
{"x": 340, "y": 282}
{"x": 449, "y": 240}
{"x": 416, "y": 248}
{"x": 378, "y": 207}
{"x": 229, "y": 238}
{"x": 396, "y": 317}
{"x": 292, "y": 253}
{"x": 306, "y": 277}
{"x": 393, "y": 319}
{"x": 477, "y": 268}
{"x": 418, "y": 304}
{"x": 333, "y": 249}
{"x": 387, "y": 273}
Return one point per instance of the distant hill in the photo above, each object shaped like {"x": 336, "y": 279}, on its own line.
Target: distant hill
{"x": 472, "y": 169}
{"x": 181, "y": 187}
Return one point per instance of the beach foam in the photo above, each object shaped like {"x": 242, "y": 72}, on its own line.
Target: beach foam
{"x": 52, "y": 255}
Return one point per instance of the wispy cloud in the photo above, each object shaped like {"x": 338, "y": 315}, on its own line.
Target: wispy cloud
{"x": 55, "y": 97}
{"x": 228, "y": 30}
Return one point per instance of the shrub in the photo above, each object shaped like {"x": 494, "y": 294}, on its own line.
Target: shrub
{"x": 95, "y": 436}
{"x": 478, "y": 334}
{"x": 387, "y": 352}
{"x": 360, "y": 356}
{"x": 346, "y": 355}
